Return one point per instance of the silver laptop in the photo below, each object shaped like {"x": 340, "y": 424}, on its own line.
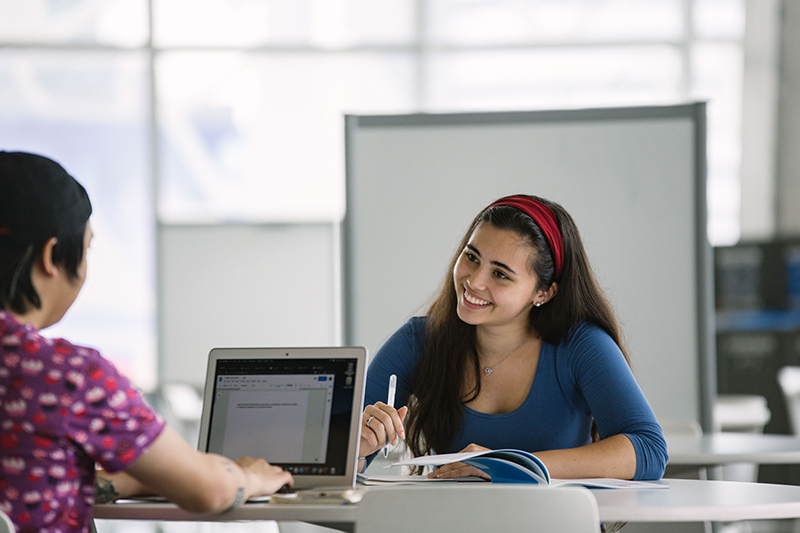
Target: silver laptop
{"x": 299, "y": 408}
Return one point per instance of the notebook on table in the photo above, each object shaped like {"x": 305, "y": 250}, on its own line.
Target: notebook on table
{"x": 298, "y": 408}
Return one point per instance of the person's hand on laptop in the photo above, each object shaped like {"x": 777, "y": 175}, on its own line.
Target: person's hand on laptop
{"x": 265, "y": 479}
{"x": 199, "y": 482}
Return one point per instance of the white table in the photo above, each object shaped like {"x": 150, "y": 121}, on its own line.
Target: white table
{"x": 341, "y": 517}
{"x": 686, "y": 500}
{"x": 716, "y": 449}
{"x": 693, "y": 500}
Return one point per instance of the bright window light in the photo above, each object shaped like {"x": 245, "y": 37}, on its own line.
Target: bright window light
{"x": 247, "y": 99}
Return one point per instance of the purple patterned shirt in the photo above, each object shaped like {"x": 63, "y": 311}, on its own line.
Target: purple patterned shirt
{"x": 63, "y": 408}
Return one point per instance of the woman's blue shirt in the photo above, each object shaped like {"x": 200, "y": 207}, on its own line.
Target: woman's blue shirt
{"x": 584, "y": 377}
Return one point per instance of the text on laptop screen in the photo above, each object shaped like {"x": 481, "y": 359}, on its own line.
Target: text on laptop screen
{"x": 293, "y": 413}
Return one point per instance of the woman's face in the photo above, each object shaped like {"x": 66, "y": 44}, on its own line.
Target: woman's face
{"x": 493, "y": 283}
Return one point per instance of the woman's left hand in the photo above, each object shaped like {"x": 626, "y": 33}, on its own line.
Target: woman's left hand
{"x": 455, "y": 470}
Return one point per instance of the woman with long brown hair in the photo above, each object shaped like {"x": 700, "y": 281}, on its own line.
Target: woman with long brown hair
{"x": 520, "y": 349}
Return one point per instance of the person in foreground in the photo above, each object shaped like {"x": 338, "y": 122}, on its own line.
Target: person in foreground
{"x": 65, "y": 409}
{"x": 520, "y": 349}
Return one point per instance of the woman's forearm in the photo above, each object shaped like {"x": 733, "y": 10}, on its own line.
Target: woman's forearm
{"x": 613, "y": 457}
{"x": 109, "y": 487}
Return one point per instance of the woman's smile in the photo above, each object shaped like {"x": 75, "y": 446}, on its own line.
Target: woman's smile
{"x": 473, "y": 301}
{"x": 493, "y": 280}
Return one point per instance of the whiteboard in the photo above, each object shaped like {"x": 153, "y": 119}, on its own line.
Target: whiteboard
{"x": 632, "y": 178}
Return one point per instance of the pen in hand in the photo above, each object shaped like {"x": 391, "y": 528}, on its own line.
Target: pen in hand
{"x": 390, "y": 403}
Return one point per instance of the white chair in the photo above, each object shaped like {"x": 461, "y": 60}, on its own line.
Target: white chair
{"x": 681, "y": 426}
{"x": 789, "y": 380}
{"x": 181, "y": 406}
{"x": 477, "y": 507}
{"x": 6, "y": 525}
{"x": 741, "y": 413}
{"x": 677, "y": 427}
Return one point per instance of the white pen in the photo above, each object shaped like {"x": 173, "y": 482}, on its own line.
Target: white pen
{"x": 390, "y": 403}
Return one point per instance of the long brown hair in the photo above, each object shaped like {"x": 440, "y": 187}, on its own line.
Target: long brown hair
{"x": 436, "y": 408}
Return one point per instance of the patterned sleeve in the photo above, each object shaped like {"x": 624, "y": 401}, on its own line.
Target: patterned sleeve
{"x": 111, "y": 420}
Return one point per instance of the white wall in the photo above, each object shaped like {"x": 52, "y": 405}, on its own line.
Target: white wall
{"x": 760, "y": 118}
{"x": 788, "y": 154}
{"x": 244, "y": 285}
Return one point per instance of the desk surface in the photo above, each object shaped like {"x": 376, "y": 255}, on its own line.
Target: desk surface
{"x": 727, "y": 448}
{"x": 686, "y": 500}
{"x": 342, "y": 517}
{"x": 693, "y": 500}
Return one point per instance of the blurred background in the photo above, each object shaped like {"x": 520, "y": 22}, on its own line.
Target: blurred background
{"x": 210, "y": 136}
{"x": 178, "y": 114}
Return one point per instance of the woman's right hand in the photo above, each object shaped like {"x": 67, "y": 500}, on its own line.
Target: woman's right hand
{"x": 203, "y": 482}
{"x": 380, "y": 423}
{"x": 265, "y": 479}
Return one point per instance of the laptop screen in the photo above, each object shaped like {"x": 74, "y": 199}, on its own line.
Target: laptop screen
{"x": 298, "y": 408}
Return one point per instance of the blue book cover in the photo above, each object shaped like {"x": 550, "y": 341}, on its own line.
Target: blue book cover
{"x": 503, "y": 466}
{"x": 510, "y": 466}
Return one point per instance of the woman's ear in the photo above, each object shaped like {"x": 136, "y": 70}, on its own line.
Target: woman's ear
{"x": 544, "y": 296}
{"x": 46, "y": 258}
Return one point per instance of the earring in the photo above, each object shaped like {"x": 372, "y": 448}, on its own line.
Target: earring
{"x": 538, "y": 304}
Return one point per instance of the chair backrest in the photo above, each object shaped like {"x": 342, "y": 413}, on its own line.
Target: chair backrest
{"x": 181, "y": 406}
{"x": 6, "y": 525}
{"x": 743, "y": 413}
{"x": 681, "y": 426}
{"x": 477, "y": 507}
{"x": 789, "y": 380}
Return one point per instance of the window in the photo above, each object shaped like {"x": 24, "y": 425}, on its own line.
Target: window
{"x": 232, "y": 110}
{"x": 88, "y": 110}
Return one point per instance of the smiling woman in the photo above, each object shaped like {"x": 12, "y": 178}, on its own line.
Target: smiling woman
{"x": 521, "y": 349}
{"x": 490, "y": 290}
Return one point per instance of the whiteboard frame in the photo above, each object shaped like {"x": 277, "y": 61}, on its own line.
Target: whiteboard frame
{"x": 696, "y": 112}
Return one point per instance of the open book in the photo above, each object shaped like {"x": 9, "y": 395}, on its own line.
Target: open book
{"x": 518, "y": 466}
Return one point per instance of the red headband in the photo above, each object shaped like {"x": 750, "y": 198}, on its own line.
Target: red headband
{"x": 546, "y": 220}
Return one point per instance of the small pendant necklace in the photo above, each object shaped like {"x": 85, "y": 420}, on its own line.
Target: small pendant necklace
{"x": 488, "y": 370}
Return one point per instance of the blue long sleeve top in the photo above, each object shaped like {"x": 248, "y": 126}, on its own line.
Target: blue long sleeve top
{"x": 585, "y": 376}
